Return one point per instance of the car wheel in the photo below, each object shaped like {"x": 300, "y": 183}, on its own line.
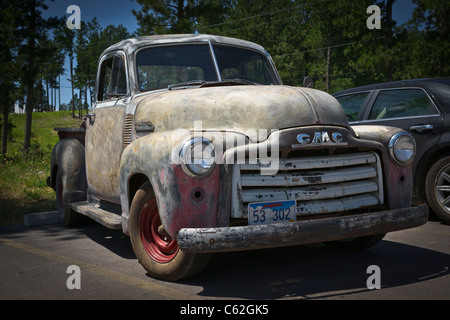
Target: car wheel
{"x": 68, "y": 217}
{"x": 156, "y": 250}
{"x": 360, "y": 243}
{"x": 437, "y": 188}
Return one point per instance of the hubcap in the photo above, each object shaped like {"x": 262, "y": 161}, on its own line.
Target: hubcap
{"x": 157, "y": 243}
{"x": 443, "y": 188}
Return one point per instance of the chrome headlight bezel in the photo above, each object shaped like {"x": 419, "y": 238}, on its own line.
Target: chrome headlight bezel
{"x": 198, "y": 157}
{"x": 402, "y": 147}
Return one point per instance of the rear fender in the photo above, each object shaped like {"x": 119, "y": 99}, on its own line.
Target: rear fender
{"x": 68, "y": 158}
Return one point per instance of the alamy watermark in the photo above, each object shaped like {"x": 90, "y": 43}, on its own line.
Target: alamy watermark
{"x": 74, "y": 21}
{"x": 74, "y": 280}
{"x": 374, "y": 21}
{"x": 250, "y": 146}
{"x": 374, "y": 280}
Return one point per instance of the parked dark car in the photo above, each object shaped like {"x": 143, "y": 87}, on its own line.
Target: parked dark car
{"x": 422, "y": 107}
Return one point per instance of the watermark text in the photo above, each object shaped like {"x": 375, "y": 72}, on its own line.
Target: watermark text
{"x": 74, "y": 21}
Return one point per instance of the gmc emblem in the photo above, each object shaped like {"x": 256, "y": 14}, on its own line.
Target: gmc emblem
{"x": 322, "y": 138}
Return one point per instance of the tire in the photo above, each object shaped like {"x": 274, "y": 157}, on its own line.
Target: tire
{"x": 437, "y": 188}
{"x": 156, "y": 251}
{"x": 68, "y": 217}
{"x": 355, "y": 244}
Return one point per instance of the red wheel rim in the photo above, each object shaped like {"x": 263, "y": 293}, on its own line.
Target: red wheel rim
{"x": 159, "y": 245}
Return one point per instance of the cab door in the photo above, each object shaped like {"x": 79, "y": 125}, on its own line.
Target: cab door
{"x": 104, "y": 129}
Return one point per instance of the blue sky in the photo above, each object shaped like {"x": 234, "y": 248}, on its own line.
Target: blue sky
{"x": 109, "y": 12}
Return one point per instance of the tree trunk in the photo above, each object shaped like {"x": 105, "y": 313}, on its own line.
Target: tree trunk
{"x": 59, "y": 92}
{"x": 80, "y": 105}
{"x": 327, "y": 80}
{"x": 389, "y": 35}
{"x": 54, "y": 105}
{"x": 71, "y": 81}
{"x": 86, "y": 104}
{"x": 30, "y": 78}
{"x": 328, "y": 67}
{"x": 51, "y": 97}
{"x": 48, "y": 96}
{"x": 5, "y": 125}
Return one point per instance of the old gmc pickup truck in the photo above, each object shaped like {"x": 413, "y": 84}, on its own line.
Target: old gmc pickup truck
{"x": 194, "y": 146}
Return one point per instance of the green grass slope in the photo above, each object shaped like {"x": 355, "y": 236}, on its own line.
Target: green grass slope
{"x": 23, "y": 187}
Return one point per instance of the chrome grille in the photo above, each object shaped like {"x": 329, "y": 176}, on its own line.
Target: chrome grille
{"x": 323, "y": 184}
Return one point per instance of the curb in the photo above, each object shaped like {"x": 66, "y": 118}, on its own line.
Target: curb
{"x": 41, "y": 218}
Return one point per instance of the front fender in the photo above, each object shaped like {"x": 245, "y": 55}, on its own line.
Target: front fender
{"x": 183, "y": 201}
{"x": 398, "y": 178}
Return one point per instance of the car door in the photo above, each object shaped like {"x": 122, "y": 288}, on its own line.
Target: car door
{"x": 104, "y": 130}
{"x": 411, "y": 109}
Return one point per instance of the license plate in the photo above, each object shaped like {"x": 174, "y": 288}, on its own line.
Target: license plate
{"x": 271, "y": 212}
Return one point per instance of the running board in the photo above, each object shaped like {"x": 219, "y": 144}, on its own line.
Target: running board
{"x": 107, "y": 218}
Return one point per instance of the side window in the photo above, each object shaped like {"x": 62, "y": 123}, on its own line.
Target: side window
{"x": 402, "y": 103}
{"x": 112, "y": 79}
{"x": 352, "y": 104}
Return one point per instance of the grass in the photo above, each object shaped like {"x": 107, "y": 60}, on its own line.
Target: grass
{"x": 23, "y": 187}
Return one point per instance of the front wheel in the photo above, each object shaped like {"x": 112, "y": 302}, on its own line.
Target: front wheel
{"x": 437, "y": 188}
{"x": 156, "y": 250}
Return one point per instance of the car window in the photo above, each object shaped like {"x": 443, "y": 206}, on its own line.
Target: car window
{"x": 352, "y": 104}
{"x": 402, "y": 103}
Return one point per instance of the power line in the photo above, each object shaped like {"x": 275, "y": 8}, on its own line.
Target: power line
{"x": 265, "y": 14}
{"x": 270, "y": 22}
{"x": 328, "y": 47}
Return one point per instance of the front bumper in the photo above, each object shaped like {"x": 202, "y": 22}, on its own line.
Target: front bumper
{"x": 300, "y": 232}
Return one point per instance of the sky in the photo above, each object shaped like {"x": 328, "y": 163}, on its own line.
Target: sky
{"x": 118, "y": 12}
{"x": 108, "y": 12}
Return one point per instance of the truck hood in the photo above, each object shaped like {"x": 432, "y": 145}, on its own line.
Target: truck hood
{"x": 239, "y": 108}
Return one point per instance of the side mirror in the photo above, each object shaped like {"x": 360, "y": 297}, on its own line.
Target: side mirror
{"x": 308, "y": 82}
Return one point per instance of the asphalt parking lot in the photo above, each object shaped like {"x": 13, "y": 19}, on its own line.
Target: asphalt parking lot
{"x": 34, "y": 264}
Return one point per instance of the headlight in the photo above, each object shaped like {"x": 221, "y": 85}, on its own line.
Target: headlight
{"x": 402, "y": 147}
{"x": 197, "y": 156}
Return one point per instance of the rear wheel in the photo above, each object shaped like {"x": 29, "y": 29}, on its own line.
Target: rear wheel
{"x": 156, "y": 250}
{"x": 437, "y": 188}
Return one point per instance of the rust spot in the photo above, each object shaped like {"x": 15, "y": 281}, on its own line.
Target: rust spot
{"x": 212, "y": 242}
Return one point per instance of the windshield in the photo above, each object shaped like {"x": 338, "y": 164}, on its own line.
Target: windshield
{"x": 164, "y": 66}
{"x": 243, "y": 64}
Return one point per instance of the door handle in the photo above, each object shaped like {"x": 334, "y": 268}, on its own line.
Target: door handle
{"x": 422, "y": 128}
{"x": 90, "y": 116}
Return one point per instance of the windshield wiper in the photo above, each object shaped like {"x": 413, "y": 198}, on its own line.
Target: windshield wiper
{"x": 241, "y": 80}
{"x": 186, "y": 84}
{"x": 203, "y": 83}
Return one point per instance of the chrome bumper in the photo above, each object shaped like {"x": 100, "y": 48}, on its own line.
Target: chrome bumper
{"x": 300, "y": 232}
